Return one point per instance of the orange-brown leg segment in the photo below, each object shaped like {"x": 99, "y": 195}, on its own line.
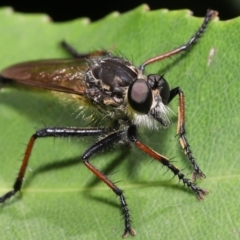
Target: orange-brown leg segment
{"x": 197, "y": 190}
{"x": 181, "y": 132}
{"x": 18, "y": 183}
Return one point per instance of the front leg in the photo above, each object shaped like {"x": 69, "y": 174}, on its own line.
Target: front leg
{"x": 181, "y": 132}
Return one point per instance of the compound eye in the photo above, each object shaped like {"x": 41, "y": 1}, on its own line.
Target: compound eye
{"x": 140, "y": 96}
{"x": 164, "y": 90}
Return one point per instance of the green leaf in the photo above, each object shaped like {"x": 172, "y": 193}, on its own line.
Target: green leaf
{"x": 60, "y": 198}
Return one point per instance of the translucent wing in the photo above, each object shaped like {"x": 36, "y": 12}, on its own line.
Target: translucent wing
{"x": 65, "y": 75}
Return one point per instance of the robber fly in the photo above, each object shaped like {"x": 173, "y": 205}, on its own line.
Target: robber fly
{"x": 120, "y": 93}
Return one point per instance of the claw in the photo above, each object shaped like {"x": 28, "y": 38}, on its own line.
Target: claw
{"x": 197, "y": 174}
{"x": 201, "y": 192}
{"x": 127, "y": 231}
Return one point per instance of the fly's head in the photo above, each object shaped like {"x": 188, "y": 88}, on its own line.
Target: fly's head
{"x": 147, "y": 99}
